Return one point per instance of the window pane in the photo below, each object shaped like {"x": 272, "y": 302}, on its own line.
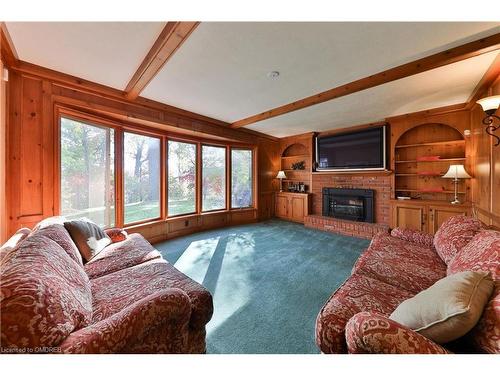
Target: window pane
{"x": 241, "y": 178}
{"x": 141, "y": 156}
{"x": 181, "y": 178}
{"x": 214, "y": 178}
{"x": 87, "y": 172}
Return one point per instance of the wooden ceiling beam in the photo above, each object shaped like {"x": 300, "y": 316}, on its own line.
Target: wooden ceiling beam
{"x": 165, "y": 46}
{"x": 450, "y": 56}
{"x": 8, "y": 51}
{"x": 488, "y": 79}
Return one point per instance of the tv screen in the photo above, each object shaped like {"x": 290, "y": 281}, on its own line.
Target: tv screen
{"x": 363, "y": 149}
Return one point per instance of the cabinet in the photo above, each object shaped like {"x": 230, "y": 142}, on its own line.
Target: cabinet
{"x": 292, "y": 206}
{"x": 426, "y": 216}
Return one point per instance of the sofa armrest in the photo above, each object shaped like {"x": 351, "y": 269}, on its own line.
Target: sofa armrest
{"x": 373, "y": 333}
{"x": 116, "y": 234}
{"x": 167, "y": 311}
{"x": 412, "y": 235}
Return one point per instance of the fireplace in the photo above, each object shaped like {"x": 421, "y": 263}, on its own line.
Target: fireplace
{"x": 348, "y": 204}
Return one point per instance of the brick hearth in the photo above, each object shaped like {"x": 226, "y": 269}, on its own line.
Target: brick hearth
{"x": 381, "y": 184}
{"x": 345, "y": 227}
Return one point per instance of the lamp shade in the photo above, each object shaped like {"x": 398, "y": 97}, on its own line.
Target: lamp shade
{"x": 490, "y": 104}
{"x": 281, "y": 175}
{"x": 456, "y": 171}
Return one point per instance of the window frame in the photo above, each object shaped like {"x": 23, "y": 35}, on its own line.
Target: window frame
{"x": 90, "y": 121}
{"x": 161, "y": 186}
{"x": 122, "y": 126}
{"x": 196, "y": 184}
{"x": 226, "y": 172}
{"x": 252, "y": 174}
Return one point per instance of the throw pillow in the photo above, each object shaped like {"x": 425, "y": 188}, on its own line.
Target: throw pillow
{"x": 89, "y": 238}
{"x": 448, "y": 309}
{"x": 454, "y": 234}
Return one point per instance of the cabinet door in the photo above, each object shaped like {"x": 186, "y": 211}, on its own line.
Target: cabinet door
{"x": 438, "y": 214}
{"x": 281, "y": 203}
{"x": 297, "y": 209}
{"x": 409, "y": 216}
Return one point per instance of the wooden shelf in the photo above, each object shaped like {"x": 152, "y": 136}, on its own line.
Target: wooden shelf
{"x": 295, "y": 156}
{"x": 429, "y": 192}
{"x": 417, "y": 174}
{"x": 296, "y": 170}
{"x": 429, "y": 161}
{"x": 446, "y": 143}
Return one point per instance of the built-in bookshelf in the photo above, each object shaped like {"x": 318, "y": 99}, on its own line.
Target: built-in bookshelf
{"x": 422, "y": 156}
{"x": 292, "y": 154}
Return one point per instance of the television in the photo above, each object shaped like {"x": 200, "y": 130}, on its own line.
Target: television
{"x": 352, "y": 151}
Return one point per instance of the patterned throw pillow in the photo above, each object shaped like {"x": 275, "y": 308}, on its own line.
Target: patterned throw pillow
{"x": 454, "y": 234}
{"x": 482, "y": 253}
{"x": 89, "y": 238}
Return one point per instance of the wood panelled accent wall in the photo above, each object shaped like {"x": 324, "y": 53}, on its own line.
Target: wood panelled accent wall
{"x": 3, "y": 154}
{"x": 486, "y": 166}
{"x": 33, "y": 98}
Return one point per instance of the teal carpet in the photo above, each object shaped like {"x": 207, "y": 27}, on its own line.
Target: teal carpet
{"x": 268, "y": 281}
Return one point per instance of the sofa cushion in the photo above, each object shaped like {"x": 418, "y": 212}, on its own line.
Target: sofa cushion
{"x": 58, "y": 234}
{"x": 400, "y": 263}
{"x": 132, "y": 251}
{"x": 454, "y": 234}
{"x": 482, "y": 253}
{"x": 116, "y": 234}
{"x": 88, "y": 237}
{"x": 449, "y": 309}
{"x": 358, "y": 293}
{"x": 44, "y": 295}
{"x": 113, "y": 292}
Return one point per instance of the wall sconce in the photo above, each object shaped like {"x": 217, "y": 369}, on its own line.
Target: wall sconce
{"x": 490, "y": 105}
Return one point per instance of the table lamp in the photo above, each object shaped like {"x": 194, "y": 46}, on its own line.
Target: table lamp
{"x": 281, "y": 175}
{"x": 456, "y": 172}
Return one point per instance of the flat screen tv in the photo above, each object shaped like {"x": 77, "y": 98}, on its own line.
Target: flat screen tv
{"x": 357, "y": 150}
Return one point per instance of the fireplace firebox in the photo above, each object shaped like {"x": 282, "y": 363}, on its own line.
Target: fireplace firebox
{"x": 348, "y": 204}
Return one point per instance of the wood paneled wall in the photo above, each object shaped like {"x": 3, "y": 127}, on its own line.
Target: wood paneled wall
{"x": 3, "y": 154}
{"x": 486, "y": 166}
{"x": 31, "y": 127}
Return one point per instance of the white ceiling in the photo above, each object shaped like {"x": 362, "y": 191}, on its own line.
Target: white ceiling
{"x": 104, "y": 52}
{"x": 451, "y": 84}
{"x": 221, "y": 69}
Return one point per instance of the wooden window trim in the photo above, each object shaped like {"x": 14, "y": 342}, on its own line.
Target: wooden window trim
{"x": 172, "y": 139}
{"x": 120, "y": 128}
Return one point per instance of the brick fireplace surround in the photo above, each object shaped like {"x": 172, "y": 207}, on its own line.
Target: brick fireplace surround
{"x": 381, "y": 184}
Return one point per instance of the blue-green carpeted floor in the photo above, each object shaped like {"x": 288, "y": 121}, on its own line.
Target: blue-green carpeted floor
{"x": 268, "y": 281}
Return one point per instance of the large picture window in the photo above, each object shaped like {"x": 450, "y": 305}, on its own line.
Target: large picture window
{"x": 141, "y": 173}
{"x": 213, "y": 178}
{"x": 87, "y": 172}
{"x": 181, "y": 167}
{"x": 241, "y": 178}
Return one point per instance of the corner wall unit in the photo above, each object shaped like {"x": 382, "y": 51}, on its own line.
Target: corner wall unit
{"x": 295, "y": 150}
{"x": 423, "y": 147}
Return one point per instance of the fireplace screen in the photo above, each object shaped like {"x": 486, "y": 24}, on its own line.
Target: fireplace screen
{"x": 348, "y": 204}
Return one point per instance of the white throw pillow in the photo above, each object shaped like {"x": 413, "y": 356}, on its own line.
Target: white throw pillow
{"x": 448, "y": 309}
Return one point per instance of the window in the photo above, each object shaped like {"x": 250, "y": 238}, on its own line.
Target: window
{"x": 141, "y": 173}
{"x": 213, "y": 178}
{"x": 241, "y": 178}
{"x": 87, "y": 172}
{"x": 181, "y": 178}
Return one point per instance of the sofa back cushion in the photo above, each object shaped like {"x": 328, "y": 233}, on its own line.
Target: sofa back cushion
{"x": 12, "y": 242}
{"x": 454, "y": 234}
{"x": 44, "y": 295}
{"x": 60, "y": 235}
{"x": 482, "y": 253}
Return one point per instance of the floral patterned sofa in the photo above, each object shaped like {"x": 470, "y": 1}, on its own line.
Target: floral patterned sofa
{"x": 394, "y": 268}
{"x": 126, "y": 299}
